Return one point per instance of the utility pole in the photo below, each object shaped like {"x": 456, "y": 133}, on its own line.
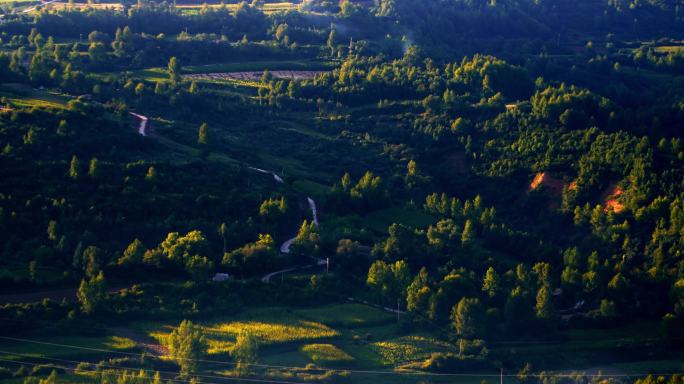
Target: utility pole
{"x": 398, "y": 300}
{"x": 327, "y": 265}
{"x": 501, "y": 375}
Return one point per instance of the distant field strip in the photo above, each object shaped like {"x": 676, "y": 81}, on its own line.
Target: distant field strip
{"x": 254, "y": 75}
{"x": 61, "y": 5}
{"x": 185, "y": 8}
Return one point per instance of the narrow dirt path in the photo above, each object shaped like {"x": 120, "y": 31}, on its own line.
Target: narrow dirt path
{"x": 142, "y": 128}
{"x": 145, "y": 342}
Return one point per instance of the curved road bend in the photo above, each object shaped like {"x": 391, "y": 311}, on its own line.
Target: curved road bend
{"x": 285, "y": 247}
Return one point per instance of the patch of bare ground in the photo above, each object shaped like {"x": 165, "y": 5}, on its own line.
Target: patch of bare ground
{"x": 552, "y": 185}
{"x": 612, "y": 201}
{"x": 144, "y": 342}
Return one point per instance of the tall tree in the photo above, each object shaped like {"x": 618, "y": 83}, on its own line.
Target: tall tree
{"x": 307, "y": 242}
{"x": 468, "y": 234}
{"x": 203, "y": 135}
{"x": 94, "y": 168}
{"x": 52, "y": 230}
{"x": 174, "y": 70}
{"x": 467, "y": 317}
{"x": 133, "y": 255}
{"x": 390, "y": 280}
{"x": 491, "y": 283}
{"x": 543, "y": 306}
{"x": 74, "y": 168}
{"x": 97, "y": 53}
{"x": 186, "y": 346}
{"x": 418, "y": 293}
{"x": 245, "y": 352}
{"x": 92, "y": 292}
{"x": 332, "y": 41}
{"x": 223, "y": 231}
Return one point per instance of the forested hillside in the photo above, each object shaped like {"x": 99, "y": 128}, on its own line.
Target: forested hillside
{"x": 349, "y": 191}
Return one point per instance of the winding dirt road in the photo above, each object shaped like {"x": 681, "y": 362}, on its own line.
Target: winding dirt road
{"x": 142, "y": 128}
{"x": 285, "y": 247}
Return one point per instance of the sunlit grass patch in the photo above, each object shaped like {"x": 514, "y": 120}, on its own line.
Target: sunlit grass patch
{"x": 120, "y": 343}
{"x": 271, "y": 331}
{"x": 24, "y": 96}
{"x": 326, "y": 354}
{"x": 670, "y": 48}
{"x": 270, "y": 326}
{"x": 347, "y": 315}
{"x": 409, "y": 348}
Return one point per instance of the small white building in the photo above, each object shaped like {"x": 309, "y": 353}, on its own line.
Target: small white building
{"x": 220, "y": 277}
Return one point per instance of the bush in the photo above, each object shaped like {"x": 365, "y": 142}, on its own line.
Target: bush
{"x": 451, "y": 362}
{"x": 85, "y": 367}
{"x": 46, "y": 369}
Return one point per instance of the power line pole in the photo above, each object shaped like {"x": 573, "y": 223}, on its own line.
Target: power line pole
{"x": 501, "y": 375}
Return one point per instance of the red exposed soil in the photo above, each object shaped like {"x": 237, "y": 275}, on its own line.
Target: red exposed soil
{"x": 612, "y": 200}
{"x": 549, "y": 181}
{"x": 552, "y": 185}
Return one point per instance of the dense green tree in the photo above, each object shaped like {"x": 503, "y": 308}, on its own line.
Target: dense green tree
{"x": 203, "y": 135}
{"x": 199, "y": 267}
{"x": 151, "y": 174}
{"x": 273, "y": 209}
{"x": 332, "y": 41}
{"x": 133, "y": 254}
{"x": 307, "y": 242}
{"x": 123, "y": 42}
{"x": 94, "y": 168}
{"x": 252, "y": 257}
{"x": 92, "y": 292}
{"x": 92, "y": 260}
{"x": 187, "y": 345}
{"x": 418, "y": 293}
{"x": 467, "y": 318}
{"x": 414, "y": 177}
{"x": 468, "y": 234}
{"x": 491, "y": 283}
{"x": 389, "y": 280}
{"x": 97, "y": 53}
{"x": 223, "y": 231}
{"x": 74, "y": 168}
{"x": 543, "y": 306}
{"x": 245, "y": 352}
{"x": 174, "y": 70}
{"x": 52, "y": 230}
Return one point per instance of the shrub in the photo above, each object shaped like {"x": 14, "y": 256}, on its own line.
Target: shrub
{"x": 46, "y": 369}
